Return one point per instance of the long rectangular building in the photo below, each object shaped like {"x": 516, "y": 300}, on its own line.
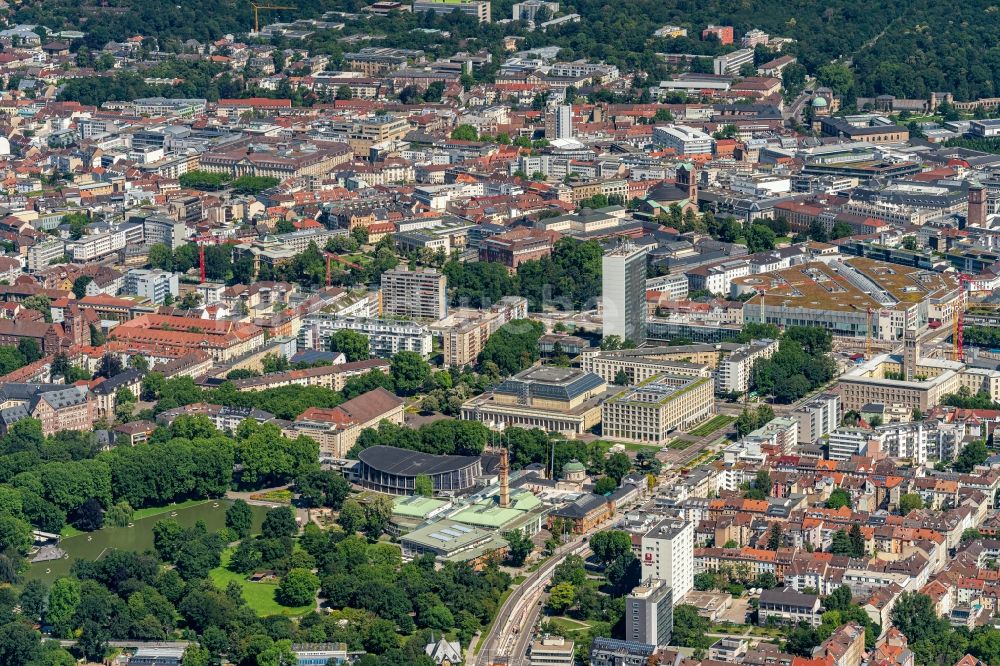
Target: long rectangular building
{"x": 563, "y": 400}
{"x": 655, "y": 408}
{"x": 838, "y": 296}
{"x": 224, "y": 340}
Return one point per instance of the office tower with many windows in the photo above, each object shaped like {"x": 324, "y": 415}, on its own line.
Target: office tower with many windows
{"x": 624, "y": 292}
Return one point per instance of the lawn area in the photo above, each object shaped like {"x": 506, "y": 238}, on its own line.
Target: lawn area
{"x": 639, "y": 448}
{"x": 69, "y": 531}
{"x": 715, "y": 423}
{"x": 568, "y": 625}
{"x": 259, "y": 596}
{"x": 679, "y": 444}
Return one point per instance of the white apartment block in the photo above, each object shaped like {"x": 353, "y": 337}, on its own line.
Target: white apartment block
{"x": 730, "y": 63}
{"x": 733, "y": 373}
{"x": 817, "y": 417}
{"x": 386, "y": 337}
{"x": 166, "y": 230}
{"x": 668, "y": 554}
{"x": 95, "y": 246}
{"x": 905, "y": 441}
{"x": 42, "y": 255}
{"x": 717, "y": 278}
{"x": 675, "y": 285}
{"x": 420, "y": 294}
{"x": 843, "y": 443}
{"x": 155, "y": 285}
{"x": 685, "y": 140}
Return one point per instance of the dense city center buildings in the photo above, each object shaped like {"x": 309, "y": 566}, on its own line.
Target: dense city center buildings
{"x": 501, "y": 339}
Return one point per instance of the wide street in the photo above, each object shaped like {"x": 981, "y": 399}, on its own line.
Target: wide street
{"x": 511, "y": 633}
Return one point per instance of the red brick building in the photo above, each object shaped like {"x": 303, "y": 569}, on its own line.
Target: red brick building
{"x": 517, "y": 246}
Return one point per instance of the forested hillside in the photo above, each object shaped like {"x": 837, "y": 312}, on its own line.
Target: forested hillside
{"x": 903, "y": 47}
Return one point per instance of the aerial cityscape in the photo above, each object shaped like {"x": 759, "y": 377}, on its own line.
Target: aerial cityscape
{"x": 495, "y": 333}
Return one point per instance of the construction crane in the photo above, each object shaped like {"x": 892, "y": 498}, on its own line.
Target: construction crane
{"x": 256, "y": 13}
{"x": 201, "y": 242}
{"x": 868, "y": 331}
{"x": 957, "y": 332}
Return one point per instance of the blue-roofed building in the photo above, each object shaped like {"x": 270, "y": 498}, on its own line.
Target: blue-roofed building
{"x": 566, "y": 400}
{"x": 614, "y": 652}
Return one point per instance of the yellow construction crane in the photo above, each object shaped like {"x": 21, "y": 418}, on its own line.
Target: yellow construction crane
{"x": 256, "y": 13}
{"x": 868, "y": 331}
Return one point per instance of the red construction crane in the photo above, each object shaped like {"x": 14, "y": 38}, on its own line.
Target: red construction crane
{"x": 201, "y": 242}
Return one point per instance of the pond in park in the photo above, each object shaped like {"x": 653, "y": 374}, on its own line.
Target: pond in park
{"x": 136, "y": 537}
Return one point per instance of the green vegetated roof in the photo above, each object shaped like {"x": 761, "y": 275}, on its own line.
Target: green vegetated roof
{"x": 415, "y": 506}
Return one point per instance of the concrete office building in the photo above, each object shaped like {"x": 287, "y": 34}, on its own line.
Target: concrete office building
{"x": 42, "y": 255}
{"x": 552, "y": 651}
{"x": 817, "y": 417}
{"x": 668, "y": 555}
{"x": 477, "y": 8}
{"x": 685, "y": 140}
{"x": 649, "y": 613}
{"x": 655, "y": 408}
{"x": 153, "y": 284}
{"x": 731, "y": 63}
{"x": 419, "y": 294}
{"x": 559, "y": 122}
{"x": 624, "y": 292}
{"x": 733, "y": 372}
{"x": 164, "y": 229}
{"x": 527, "y": 10}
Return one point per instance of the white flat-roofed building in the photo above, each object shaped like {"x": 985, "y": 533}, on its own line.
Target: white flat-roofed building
{"x": 685, "y": 140}
{"x": 730, "y": 63}
{"x": 386, "y": 337}
{"x": 668, "y": 555}
{"x": 733, "y": 373}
